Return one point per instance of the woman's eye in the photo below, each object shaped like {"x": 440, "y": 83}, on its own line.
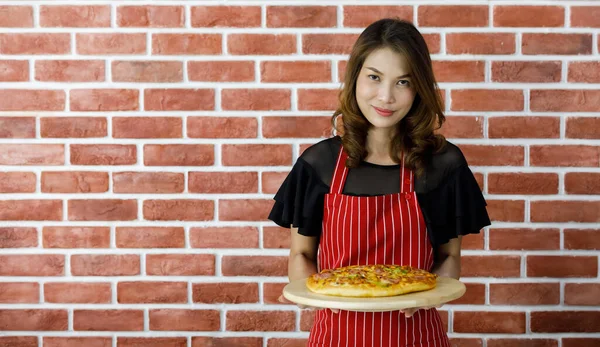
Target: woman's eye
{"x": 405, "y": 82}
{"x": 375, "y": 77}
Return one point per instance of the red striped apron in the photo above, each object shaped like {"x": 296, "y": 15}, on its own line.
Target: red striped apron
{"x": 384, "y": 229}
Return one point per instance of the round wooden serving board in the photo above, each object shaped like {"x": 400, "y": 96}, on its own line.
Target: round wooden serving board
{"x": 446, "y": 290}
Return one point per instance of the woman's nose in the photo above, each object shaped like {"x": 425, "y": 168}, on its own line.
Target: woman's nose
{"x": 385, "y": 95}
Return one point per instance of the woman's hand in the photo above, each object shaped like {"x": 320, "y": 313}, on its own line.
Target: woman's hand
{"x": 283, "y": 300}
{"x": 408, "y": 312}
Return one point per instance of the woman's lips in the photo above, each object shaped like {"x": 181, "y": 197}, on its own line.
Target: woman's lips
{"x": 383, "y": 112}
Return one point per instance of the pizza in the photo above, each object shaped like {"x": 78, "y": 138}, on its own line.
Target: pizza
{"x": 371, "y": 280}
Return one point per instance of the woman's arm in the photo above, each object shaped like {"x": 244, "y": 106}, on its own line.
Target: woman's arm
{"x": 448, "y": 255}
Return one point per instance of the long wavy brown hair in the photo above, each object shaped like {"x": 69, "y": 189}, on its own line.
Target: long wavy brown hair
{"x": 415, "y": 133}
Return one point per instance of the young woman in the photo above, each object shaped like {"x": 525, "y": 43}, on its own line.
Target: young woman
{"x": 388, "y": 191}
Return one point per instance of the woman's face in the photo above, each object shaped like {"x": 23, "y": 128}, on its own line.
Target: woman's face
{"x": 384, "y": 90}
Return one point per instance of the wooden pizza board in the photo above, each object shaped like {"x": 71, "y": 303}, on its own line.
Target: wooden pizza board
{"x": 446, "y": 290}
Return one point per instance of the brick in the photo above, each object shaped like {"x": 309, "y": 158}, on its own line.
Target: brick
{"x": 32, "y": 265}
{"x": 179, "y": 155}
{"x": 202, "y": 341}
{"x": 261, "y": 44}
{"x": 104, "y": 99}
{"x": 453, "y": 16}
{"x": 565, "y": 321}
{"x": 465, "y": 342}
{"x": 147, "y": 127}
{"x": 362, "y": 16}
{"x": 473, "y": 241}
{"x": 462, "y": 127}
{"x": 561, "y": 266}
{"x": 105, "y": 264}
{"x": 328, "y": 43}
{"x": 102, "y": 209}
{"x": 459, "y": 71}
{"x": 77, "y": 293}
{"x": 151, "y": 16}
{"x": 179, "y": 209}
{"x": 487, "y": 100}
{"x": 490, "y": 155}
{"x": 307, "y": 319}
{"x": 186, "y": 320}
{"x": 296, "y": 127}
{"x": 585, "y": 16}
{"x": 32, "y": 100}
{"x": 260, "y": 321}
{"x": 564, "y": 155}
{"x": 103, "y": 154}
{"x": 180, "y": 264}
{"x": 111, "y": 43}
{"x": 226, "y": 16}
{"x": 35, "y": 43}
{"x": 179, "y": 99}
{"x": 31, "y": 210}
{"x": 515, "y": 127}
{"x": 583, "y": 128}
{"x": 256, "y": 155}
{"x": 524, "y": 239}
{"x": 580, "y": 342}
{"x": 262, "y": 99}
{"x": 582, "y": 183}
{"x": 221, "y": 71}
{"x": 475, "y": 295}
{"x": 529, "y": 16}
{"x": 301, "y": 16}
{"x": 522, "y": 342}
{"x": 223, "y": 182}
{"x": 97, "y": 16}
{"x": 108, "y": 320}
{"x": 225, "y": 293}
{"x": 272, "y": 181}
{"x": 222, "y": 127}
{"x": 582, "y": 238}
{"x": 565, "y": 211}
{"x": 148, "y": 182}
{"x": 584, "y": 72}
{"x": 19, "y": 341}
{"x": 224, "y": 237}
{"x": 556, "y": 44}
{"x": 480, "y": 43}
{"x": 150, "y": 237}
{"x": 523, "y": 183}
{"x": 233, "y": 265}
{"x": 186, "y": 44}
{"x": 74, "y": 182}
{"x": 317, "y": 99}
{"x": 525, "y": 294}
{"x": 69, "y": 70}
{"x": 433, "y": 42}
{"x": 16, "y": 16}
{"x": 77, "y": 127}
{"x": 147, "y": 71}
{"x": 14, "y": 70}
{"x": 75, "y": 237}
{"x": 244, "y": 210}
{"x": 490, "y": 322}
{"x": 17, "y": 182}
{"x": 19, "y": 293}
{"x": 585, "y": 294}
{"x": 151, "y": 341}
{"x": 33, "y": 320}
{"x": 491, "y": 266}
{"x": 554, "y": 100}
{"x": 272, "y": 291}
{"x": 295, "y": 71}
{"x": 18, "y": 237}
{"x": 506, "y": 210}
{"x": 152, "y": 292}
{"x": 526, "y": 71}
{"x": 276, "y": 237}
{"x": 17, "y": 127}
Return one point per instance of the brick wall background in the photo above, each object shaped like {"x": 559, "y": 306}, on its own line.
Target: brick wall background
{"x": 142, "y": 142}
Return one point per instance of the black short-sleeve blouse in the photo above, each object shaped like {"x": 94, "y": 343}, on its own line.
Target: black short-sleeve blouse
{"x": 448, "y": 194}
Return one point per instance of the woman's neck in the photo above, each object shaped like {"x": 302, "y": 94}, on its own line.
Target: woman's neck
{"x": 378, "y": 146}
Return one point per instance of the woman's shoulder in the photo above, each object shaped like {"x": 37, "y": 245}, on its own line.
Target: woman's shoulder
{"x": 324, "y": 151}
{"x": 448, "y": 158}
